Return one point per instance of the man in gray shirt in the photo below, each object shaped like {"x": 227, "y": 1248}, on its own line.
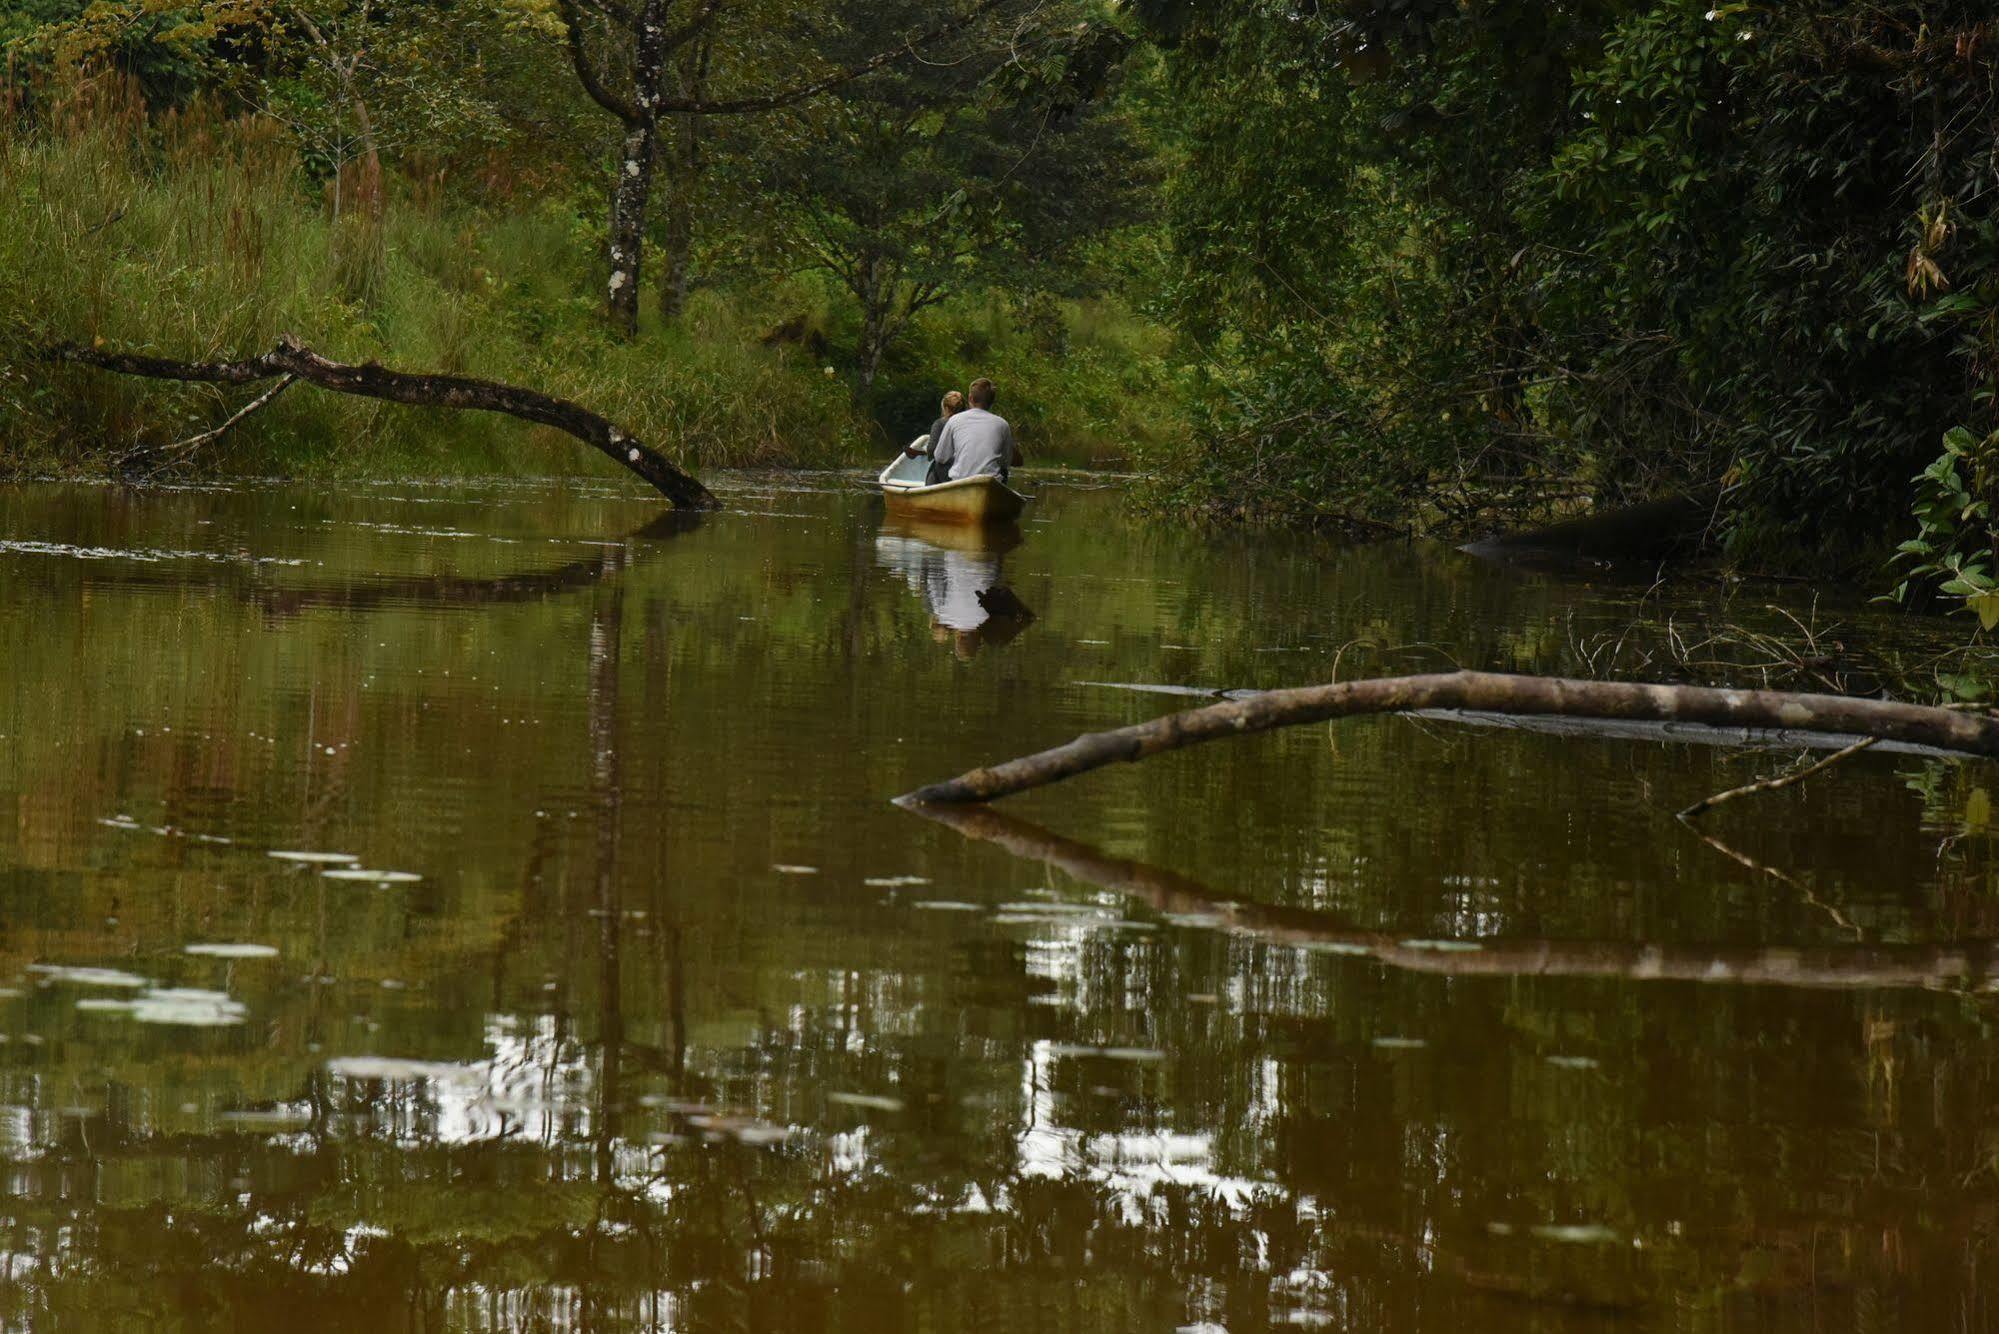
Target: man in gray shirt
{"x": 978, "y": 441}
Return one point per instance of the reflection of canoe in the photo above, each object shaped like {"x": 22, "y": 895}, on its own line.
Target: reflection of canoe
{"x": 994, "y": 539}
{"x": 955, "y": 566}
{"x": 967, "y": 500}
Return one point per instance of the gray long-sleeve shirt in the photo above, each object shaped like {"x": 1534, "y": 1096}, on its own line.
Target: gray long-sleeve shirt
{"x": 975, "y": 442}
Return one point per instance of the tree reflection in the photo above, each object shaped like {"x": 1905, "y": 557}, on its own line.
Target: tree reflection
{"x": 605, "y": 1067}
{"x": 1972, "y": 965}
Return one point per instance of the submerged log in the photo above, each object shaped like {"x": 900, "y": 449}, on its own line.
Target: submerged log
{"x": 293, "y": 358}
{"x": 1967, "y": 965}
{"x": 1485, "y": 692}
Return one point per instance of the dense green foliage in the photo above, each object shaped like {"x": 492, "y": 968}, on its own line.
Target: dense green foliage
{"x": 1451, "y": 260}
{"x": 409, "y": 183}
{"x": 1385, "y": 264}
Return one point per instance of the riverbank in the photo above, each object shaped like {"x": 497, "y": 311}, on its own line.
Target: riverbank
{"x": 197, "y": 237}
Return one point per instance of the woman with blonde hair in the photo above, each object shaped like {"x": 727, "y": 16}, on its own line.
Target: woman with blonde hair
{"x": 949, "y": 406}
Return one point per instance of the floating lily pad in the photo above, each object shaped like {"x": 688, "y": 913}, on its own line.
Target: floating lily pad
{"x": 316, "y": 858}
{"x": 225, "y": 950}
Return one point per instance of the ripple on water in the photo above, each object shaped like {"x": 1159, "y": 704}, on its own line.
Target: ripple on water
{"x": 16, "y": 547}
{"x": 186, "y": 1007}
{"x": 232, "y": 950}
{"x": 85, "y": 976}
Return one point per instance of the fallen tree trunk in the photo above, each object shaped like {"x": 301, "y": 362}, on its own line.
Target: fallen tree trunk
{"x": 1968, "y": 965}
{"x": 1486, "y": 692}
{"x": 291, "y": 357}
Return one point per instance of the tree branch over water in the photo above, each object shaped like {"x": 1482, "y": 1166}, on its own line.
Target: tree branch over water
{"x": 1487, "y": 692}
{"x": 369, "y": 380}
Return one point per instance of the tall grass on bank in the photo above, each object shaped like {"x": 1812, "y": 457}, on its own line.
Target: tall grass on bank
{"x": 196, "y": 235}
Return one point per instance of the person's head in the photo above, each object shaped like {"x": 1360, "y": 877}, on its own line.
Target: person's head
{"x": 983, "y": 393}
{"x": 951, "y": 403}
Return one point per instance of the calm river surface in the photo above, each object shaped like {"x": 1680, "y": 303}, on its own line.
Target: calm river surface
{"x": 672, "y": 1021}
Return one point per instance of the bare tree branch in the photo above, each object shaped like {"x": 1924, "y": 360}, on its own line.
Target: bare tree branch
{"x": 1706, "y": 804}
{"x": 291, "y": 357}
{"x": 1486, "y": 692}
{"x": 256, "y": 404}
{"x": 586, "y": 72}
{"x": 688, "y": 31}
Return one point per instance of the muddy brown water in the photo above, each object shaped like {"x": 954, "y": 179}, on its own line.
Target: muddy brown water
{"x": 672, "y": 1021}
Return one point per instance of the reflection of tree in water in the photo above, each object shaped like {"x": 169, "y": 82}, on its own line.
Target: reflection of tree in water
{"x": 958, "y": 571}
{"x": 1160, "y": 1108}
{"x": 1104, "y": 1160}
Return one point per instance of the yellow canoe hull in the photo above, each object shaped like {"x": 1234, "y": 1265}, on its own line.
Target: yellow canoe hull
{"x": 969, "y": 500}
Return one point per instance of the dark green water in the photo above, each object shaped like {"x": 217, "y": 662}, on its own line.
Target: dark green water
{"x": 1395, "y": 1025}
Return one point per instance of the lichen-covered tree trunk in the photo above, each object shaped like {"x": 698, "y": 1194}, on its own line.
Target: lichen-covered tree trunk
{"x": 629, "y": 201}
{"x": 631, "y": 197}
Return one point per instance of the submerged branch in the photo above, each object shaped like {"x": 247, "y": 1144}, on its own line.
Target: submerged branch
{"x": 1803, "y": 890}
{"x": 1485, "y": 692}
{"x": 1969, "y": 964}
{"x": 293, "y": 358}
{"x": 1706, "y": 804}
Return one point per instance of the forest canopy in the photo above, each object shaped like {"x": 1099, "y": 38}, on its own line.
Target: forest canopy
{"x": 1409, "y": 265}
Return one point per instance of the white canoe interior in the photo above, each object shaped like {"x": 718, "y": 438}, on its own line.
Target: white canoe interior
{"x": 906, "y": 473}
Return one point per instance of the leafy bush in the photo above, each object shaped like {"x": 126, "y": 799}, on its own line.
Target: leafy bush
{"x": 1955, "y": 552}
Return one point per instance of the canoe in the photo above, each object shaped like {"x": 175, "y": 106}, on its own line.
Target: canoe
{"x": 967, "y": 500}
